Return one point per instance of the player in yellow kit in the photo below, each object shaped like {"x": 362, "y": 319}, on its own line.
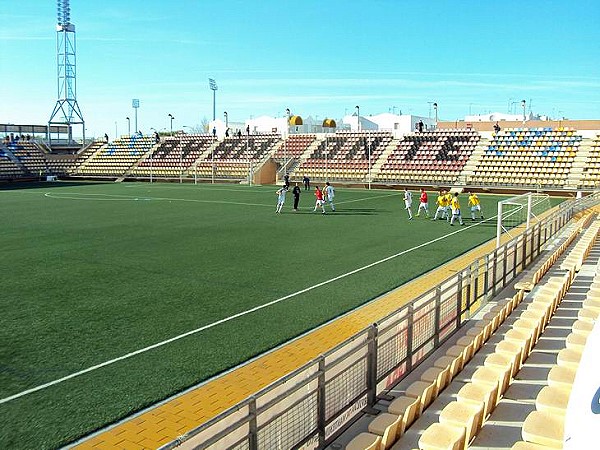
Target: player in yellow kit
{"x": 448, "y": 205}
{"x": 441, "y": 205}
{"x": 475, "y": 205}
{"x": 455, "y": 205}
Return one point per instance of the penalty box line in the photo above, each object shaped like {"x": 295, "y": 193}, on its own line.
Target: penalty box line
{"x": 228, "y": 319}
{"x": 118, "y": 197}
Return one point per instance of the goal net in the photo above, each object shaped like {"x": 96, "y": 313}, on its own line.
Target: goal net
{"x": 520, "y": 210}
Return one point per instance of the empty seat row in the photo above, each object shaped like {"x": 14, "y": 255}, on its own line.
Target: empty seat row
{"x": 477, "y": 399}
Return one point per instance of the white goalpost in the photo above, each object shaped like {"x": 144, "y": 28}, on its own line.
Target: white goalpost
{"x": 517, "y": 210}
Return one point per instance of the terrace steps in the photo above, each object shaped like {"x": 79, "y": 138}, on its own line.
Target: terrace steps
{"x": 389, "y": 149}
{"x": 579, "y": 164}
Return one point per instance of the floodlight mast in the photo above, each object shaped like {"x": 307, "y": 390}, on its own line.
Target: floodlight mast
{"x": 213, "y": 87}
{"x": 66, "y": 111}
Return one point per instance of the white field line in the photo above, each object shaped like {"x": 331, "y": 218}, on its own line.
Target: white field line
{"x": 115, "y": 197}
{"x": 131, "y": 198}
{"x": 230, "y": 318}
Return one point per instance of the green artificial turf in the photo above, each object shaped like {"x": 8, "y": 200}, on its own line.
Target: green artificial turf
{"x": 91, "y": 272}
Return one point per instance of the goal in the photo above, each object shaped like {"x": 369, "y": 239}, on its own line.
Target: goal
{"x": 519, "y": 210}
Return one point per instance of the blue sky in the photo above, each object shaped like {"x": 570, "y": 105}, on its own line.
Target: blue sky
{"x": 318, "y": 58}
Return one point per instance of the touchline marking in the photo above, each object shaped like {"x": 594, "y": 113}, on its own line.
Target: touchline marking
{"x": 230, "y": 318}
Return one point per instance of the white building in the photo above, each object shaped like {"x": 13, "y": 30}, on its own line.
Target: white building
{"x": 397, "y": 124}
{"x": 499, "y": 117}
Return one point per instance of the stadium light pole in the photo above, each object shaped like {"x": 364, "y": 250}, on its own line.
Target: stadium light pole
{"x": 357, "y": 117}
{"x": 180, "y": 163}
{"x": 152, "y": 157}
{"x": 135, "y": 104}
{"x": 171, "y": 117}
{"x": 326, "y": 158}
{"x": 128, "y": 126}
{"x": 430, "y": 104}
{"x": 212, "y": 84}
{"x": 369, "y": 148}
{"x": 287, "y": 132}
{"x": 248, "y": 153}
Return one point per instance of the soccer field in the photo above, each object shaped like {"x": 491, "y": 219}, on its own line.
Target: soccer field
{"x": 100, "y": 283}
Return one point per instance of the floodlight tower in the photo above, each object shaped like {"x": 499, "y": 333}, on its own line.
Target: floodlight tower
{"x": 213, "y": 87}
{"x": 66, "y": 111}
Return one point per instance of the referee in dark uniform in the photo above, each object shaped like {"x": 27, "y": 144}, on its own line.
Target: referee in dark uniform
{"x": 296, "y": 193}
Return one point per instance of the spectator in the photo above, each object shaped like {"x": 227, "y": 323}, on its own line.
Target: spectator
{"x": 420, "y": 126}
{"x": 105, "y": 137}
{"x": 214, "y": 132}
{"x": 496, "y": 128}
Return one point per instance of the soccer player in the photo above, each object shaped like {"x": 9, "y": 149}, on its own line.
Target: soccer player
{"x": 330, "y": 194}
{"x": 408, "y": 202}
{"x": 448, "y": 205}
{"x": 280, "y": 198}
{"x": 475, "y": 205}
{"x": 441, "y": 205}
{"x": 423, "y": 204}
{"x": 320, "y": 203}
{"x": 455, "y": 205}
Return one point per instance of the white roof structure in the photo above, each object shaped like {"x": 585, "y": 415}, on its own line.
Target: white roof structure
{"x": 498, "y": 117}
{"x": 397, "y": 124}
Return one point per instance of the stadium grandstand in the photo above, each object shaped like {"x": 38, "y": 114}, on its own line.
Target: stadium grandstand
{"x": 150, "y": 301}
{"x": 556, "y": 156}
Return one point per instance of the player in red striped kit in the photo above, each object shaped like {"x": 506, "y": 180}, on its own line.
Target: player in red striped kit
{"x": 423, "y": 204}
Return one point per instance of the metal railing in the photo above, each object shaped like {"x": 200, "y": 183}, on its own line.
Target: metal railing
{"x": 311, "y": 406}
